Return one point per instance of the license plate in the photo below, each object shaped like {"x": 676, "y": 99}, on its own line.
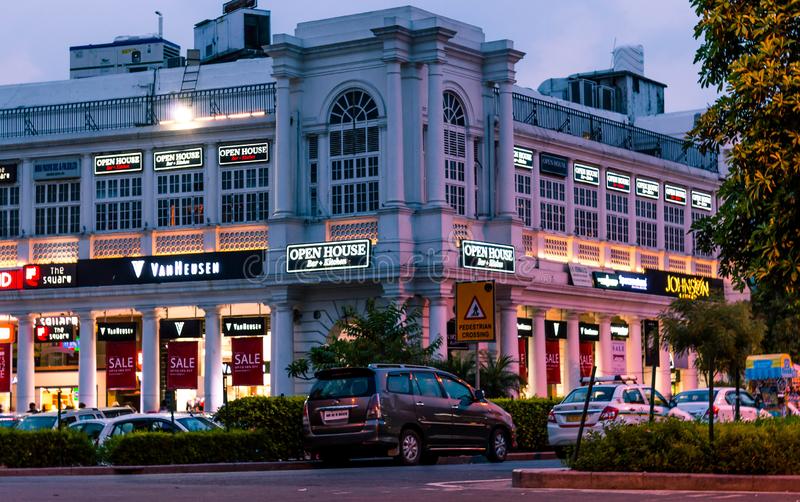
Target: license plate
{"x": 573, "y": 418}
{"x": 335, "y": 415}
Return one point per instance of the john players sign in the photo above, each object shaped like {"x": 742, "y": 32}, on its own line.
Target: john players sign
{"x": 485, "y": 256}
{"x": 328, "y": 256}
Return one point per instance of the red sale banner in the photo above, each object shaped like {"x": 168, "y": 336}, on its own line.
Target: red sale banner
{"x": 248, "y": 361}
{"x": 553, "y": 361}
{"x": 587, "y": 358}
{"x": 182, "y": 365}
{"x": 5, "y": 367}
{"x": 121, "y": 365}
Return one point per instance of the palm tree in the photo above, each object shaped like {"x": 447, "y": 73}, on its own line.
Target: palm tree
{"x": 496, "y": 378}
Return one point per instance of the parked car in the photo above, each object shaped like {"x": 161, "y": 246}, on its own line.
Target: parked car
{"x": 91, "y": 428}
{"x": 9, "y": 421}
{"x": 613, "y": 400}
{"x": 116, "y": 411}
{"x": 139, "y": 422}
{"x": 49, "y": 420}
{"x": 695, "y": 402}
{"x": 415, "y": 413}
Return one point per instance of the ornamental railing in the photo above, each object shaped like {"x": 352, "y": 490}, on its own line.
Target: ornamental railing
{"x": 138, "y": 111}
{"x": 560, "y": 118}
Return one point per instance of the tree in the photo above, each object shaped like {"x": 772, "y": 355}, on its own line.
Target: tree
{"x": 721, "y": 334}
{"x": 390, "y": 334}
{"x": 497, "y": 380}
{"x": 750, "y": 51}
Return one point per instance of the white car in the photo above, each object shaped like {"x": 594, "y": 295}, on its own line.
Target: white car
{"x": 695, "y": 402}
{"x": 610, "y": 403}
{"x": 49, "y": 420}
{"x": 154, "y": 422}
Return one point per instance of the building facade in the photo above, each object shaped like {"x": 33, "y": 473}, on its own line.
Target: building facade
{"x": 386, "y": 155}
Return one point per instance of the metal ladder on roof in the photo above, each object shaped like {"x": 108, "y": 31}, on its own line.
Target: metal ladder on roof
{"x": 191, "y": 72}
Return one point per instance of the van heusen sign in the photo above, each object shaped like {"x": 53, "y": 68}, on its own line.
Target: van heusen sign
{"x": 116, "y": 331}
{"x": 244, "y": 153}
{"x": 244, "y": 326}
{"x": 657, "y": 282}
{"x": 487, "y": 256}
{"x": 523, "y": 157}
{"x": 178, "y": 159}
{"x": 174, "y": 268}
{"x": 585, "y": 174}
{"x": 170, "y": 329}
{"x": 321, "y": 256}
{"x": 118, "y": 163}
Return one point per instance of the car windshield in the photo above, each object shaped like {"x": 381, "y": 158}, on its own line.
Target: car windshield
{"x": 34, "y": 423}
{"x": 7, "y": 424}
{"x": 694, "y": 396}
{"x": 343, "y": 386}
{"x": 600, "y": 393}
{"x": 193, "y": 424}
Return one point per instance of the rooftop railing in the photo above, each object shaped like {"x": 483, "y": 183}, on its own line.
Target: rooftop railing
{"x": 139, "y": 111}
{"x": 560, "y": 118}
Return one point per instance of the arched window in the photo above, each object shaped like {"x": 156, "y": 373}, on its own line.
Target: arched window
{"x": 455, "y": 152}
{"x": 354, "y": 153}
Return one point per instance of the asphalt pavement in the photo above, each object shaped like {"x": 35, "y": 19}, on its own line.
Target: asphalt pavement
{"x": 361, "y": 481}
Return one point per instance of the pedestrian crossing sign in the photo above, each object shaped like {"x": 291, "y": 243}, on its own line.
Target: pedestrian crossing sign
{"x": 475, "y": 311}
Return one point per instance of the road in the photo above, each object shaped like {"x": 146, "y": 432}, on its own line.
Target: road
{"x": 364, "y": 481}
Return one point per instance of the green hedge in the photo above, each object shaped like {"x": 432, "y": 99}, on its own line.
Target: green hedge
{"x": 49, "y": 448}
{"x": 530, "y": 417}
{"x": 158, "y": 448}
{"x": 763, "y": 447}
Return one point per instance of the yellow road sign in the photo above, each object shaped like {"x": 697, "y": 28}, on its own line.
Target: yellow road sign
{"x": 475, "y": 311}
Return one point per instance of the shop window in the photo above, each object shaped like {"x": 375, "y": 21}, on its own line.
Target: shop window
{"x": 180, "y": 199}
{"x": 553, "y": 207}
{"x": 354, "y": 144}
{"x": 9, "y": 211}
{"x": 245, "y": 194}
{"x": 616, "y": 217}
{"x": 455, "y": 156}
{"x": 118, "y": 203}
{"x": 57, "y": 207}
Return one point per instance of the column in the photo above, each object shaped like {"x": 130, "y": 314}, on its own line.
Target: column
{"x": 26, "y": 198}
{"x": 212, "y": 379}
{"x": 434, "y": 149}
{"x": 212, "y": 185}
{"x": 633, "y": 357}
{"x": 395, "y": 191}
{"x": 604, "y": 368}
{"x": 689, "y": 376}
{"x": 283, "y": 185}
{"x": 573, "y": 354}
{"x": 506, "y": 203}
{"x": 569, "y": 186}
{"x": 281, "y": 348}
{"x": 87, "y": 194}
{"x": 663, "y": 373}
{"x": 510, "y": 343}
{"x": 437, "y": 326}
{"x": 149, "y": 206}
{"x": 660, "y": 220}
{"x": 150, "y": 390}
{"x": 25, "y": 363}
{"x": 538, "y": 355}
{"x": 602, "y": 228}
{"x": 87, "y": 362}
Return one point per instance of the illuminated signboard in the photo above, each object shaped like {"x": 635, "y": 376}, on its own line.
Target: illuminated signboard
{"x": 553, "y": 164}
{"x": 7, "y": 331}
{"x": 620, "y": 330}
{"x": 328, "y": 256}
{"x": 555, "y": 329}
{"x": 588, "y": 331}
{"x": 49, "y": 276}
{"x": 8, "y": 174}
{"x": 62, "y": 328}
{"x": 657, "y": 282}
{"x": 646, "y": 188}
{"x": 244, "y": 326}
{"x": 178, "y": 159}
{"x": 242, "y": 154}
{"x": 586, "y": 174}
{"x": 701, "y": 200}
{"x": 118, "y": 163}
{"x": 116, "y": 331}
{"x": 676, "y": 195}
{"x": 618, "y": 182}
{"x": 170, "y": 329}
{"x": 10, "y": 279}
{"x": 523, "y": 157}
{"x": 487, "y": 256}
{"x": 622, "y": 281}
{"x": 524, "y": 327}
{"x": 56, "y": 169}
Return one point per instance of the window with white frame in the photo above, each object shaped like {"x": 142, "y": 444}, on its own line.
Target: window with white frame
{"x": 476, "y": 157}
{"x": 118, "y": 203}
{"x": 673, "y": 229}
{"x": 585, "y": 211}
{"x": 552, "y": 204}
{"x": 455, "y": 152}
{"x": 354, "y": 152}
{"x": 646, "y": 223}
{"x": 57, "y": 207}
{"x": 523, "y": 189}
{"x": 616, "y": 217}
{"x": 245, "y": 193}
{"x": 697, "y": 216}
{"x": 179, "y": 199}
{"x": 313, "y": 174}
{"x": 9, "y": 211}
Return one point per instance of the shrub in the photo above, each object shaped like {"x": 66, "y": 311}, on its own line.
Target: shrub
{"x": 48, "y": 448}
{"x": 157, "y": 448}
{"x": 281, "y": 417}
{"x": 530, "y": 417}
{"x": 764, "y": 447}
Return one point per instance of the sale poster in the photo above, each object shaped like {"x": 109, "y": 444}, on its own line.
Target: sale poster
{"x": 182, "y": 365}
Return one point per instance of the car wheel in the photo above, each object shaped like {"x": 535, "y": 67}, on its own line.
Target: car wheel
{"x": 429, "y": 459}
{"x": 497, "y": 449}
{"x": 410, "y": 447}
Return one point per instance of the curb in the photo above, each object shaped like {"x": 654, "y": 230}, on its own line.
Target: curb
{"x": 229, "y": 467}
{"x": 566, "y": 478}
